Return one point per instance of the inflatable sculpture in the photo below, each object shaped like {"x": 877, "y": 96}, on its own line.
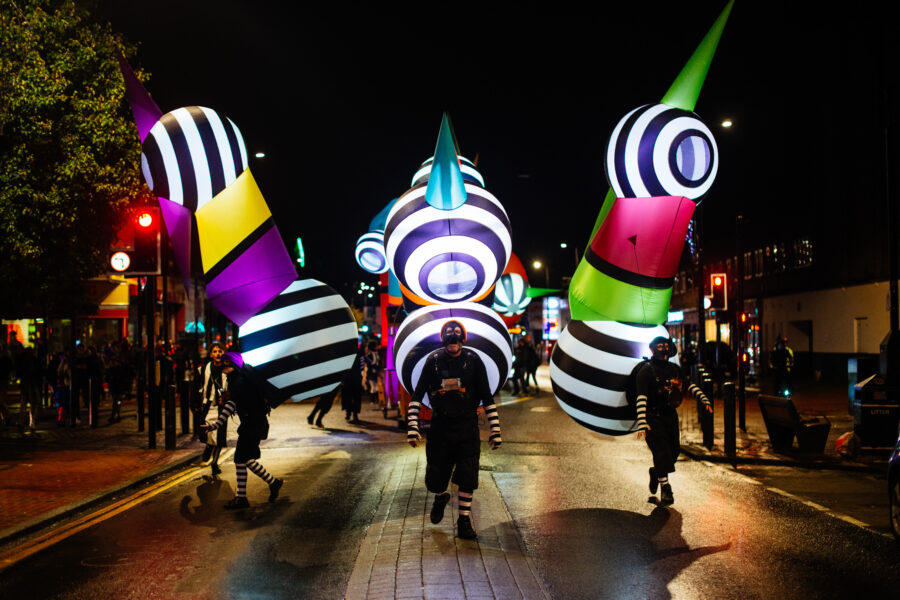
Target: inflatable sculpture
{"x": 660, "y": 160}
{"x": 303, "y": 342}
{"x": 299, "y": 335}
{"x": 448, "y": 240}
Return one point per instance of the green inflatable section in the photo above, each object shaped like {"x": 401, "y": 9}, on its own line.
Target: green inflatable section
{"x": 595, "y": 296}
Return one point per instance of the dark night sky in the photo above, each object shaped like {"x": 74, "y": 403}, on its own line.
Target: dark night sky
{"x": 346, "y": 101}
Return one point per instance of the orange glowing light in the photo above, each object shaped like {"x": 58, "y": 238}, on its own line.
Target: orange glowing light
{"x": 717, "y": 281}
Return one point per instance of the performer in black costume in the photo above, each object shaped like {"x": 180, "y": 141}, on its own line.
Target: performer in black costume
{"x": 456, "y": 383}
{"x": 659, "y": 392}
{"x": 246, "y": 399}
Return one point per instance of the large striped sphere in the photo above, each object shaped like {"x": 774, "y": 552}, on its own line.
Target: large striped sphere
{"x": 304, "y": 341}
{"x": 510, "y": 295}
{"x": 191, "y": 154}
{"x": 420, "y": 334}
{"x": 467, "y": 167}
{"x": 657, "y": 150}
{"x": 448, "y": 255}
{"x": 589, "y": 370}
{"x": 370, "y": 252}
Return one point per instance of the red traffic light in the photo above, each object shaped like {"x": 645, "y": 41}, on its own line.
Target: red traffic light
{"x": 717, "y": 280}
{"x": 145, "y": 219}
{"x": 743, "y": 317}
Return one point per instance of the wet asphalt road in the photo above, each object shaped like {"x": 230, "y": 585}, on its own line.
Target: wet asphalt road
{"x": 579, "y": 501}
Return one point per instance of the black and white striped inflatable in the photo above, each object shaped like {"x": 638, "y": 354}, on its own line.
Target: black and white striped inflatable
{"x": 510, "y": 295}
{"x": 420, "y": 334}
{"x": 657, "y": 150}
{"x": 448, "y": 255}
{"x": 466, "y": 167}
{"x": 191, "y": 154}
{"x": 589, "y": 370}
{"x": 370, "y": 252}
{"x": 303, "y": 342}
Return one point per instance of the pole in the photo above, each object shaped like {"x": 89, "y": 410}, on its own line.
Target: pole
{"x": 150, "y": 361}
{"x": 165, "y": 363}
{"x": 728, "y": 415}
{"x": 139, "y": 343}
{"x": 739, "y": 329}
{"x": 699, "y": 285}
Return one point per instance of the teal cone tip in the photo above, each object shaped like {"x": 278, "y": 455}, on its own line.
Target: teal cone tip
{"x": 446, "y": 188}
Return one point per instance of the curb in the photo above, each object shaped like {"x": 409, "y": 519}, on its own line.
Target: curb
{"x": 702, "y": 454}
{"x": 41, "y": 521}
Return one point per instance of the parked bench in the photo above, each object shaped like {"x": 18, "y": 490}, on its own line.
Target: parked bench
{"x": 783, "y": 423}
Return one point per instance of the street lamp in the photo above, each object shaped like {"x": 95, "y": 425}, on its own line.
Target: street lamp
{"x": 536, "y": 265}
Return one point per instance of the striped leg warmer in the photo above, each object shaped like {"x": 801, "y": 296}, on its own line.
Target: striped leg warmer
{"x": 465, "y": 502}
{"x": 241, "y": 469}
{"x": 260, "y": 471}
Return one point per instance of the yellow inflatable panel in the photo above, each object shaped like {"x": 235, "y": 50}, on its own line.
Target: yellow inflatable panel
{"x": 231, "y": 216}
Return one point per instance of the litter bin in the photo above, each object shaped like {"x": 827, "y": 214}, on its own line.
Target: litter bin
{"x": 874, "y": 418}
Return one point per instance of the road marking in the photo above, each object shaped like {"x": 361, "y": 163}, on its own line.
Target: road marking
{"x": 340, "y": 454}
{"x": 809, "y": 503}
{"x": 69, "y": 529}
{"x": 516, "y": 400}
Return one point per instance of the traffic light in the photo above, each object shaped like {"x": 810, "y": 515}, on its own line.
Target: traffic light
{"x": 719, "y": 286}
{"x": 136, "y": 252}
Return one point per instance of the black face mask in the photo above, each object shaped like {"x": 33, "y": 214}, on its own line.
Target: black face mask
{"x": 451, "y": 338}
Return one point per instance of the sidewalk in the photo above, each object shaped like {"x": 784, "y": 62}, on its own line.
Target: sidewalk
{"x": 53, "y": 472}
{"x": 753, "y": 445}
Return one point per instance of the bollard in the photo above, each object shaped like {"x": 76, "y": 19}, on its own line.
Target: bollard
{"x": 729, "y": 418}
{"x": 170, "y": 417}
{"x": 707, "y": 419}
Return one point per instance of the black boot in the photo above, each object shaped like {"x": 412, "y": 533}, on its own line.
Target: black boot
{"x": 437, "y": 509}
{"x": 237, "y": 502}
{"x": 654, "y": 482}
{"x": 464, "y": 528}
{"x": 207, "y": 452}
{"x": 274, "y": 488}
{"x": 309, "y": 419}
{"x": 666, "y": 497}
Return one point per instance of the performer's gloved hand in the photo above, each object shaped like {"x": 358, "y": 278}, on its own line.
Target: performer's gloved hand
{"x": 495, "y": 441}
{"x": 413, "y": 437}
{"x": 643, "y": 428}
{"x": 708, "y": 408}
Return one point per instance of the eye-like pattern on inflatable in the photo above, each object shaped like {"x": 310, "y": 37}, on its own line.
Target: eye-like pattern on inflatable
{"x": 658, "y": 150}
{"x": 448, "y": 255}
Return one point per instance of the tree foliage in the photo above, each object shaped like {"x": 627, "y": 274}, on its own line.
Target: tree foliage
{"x": 69, "y": 154}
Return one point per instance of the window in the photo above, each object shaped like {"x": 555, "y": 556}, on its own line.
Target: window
{"x": 802, "y": 253}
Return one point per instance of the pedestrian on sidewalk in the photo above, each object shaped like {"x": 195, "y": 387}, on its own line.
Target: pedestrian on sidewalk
{"x": 456, "y": 383}
{"x": 351, "y": 395}
{"x": 533, "y": 361}
{"x": 520, "y": 367}
{"x": 61, "y": 383}
{"x": 246, "y": 399}
{"x": 323, "y": 405}
{"x": 215, "y": 385}
{"x": 781, "y": 360}
{"x": 95, "y": 384}
{"x": 26, "y": 372}
{"x": 6, "y": 366}
{"x": 659, "y": 392}
{"x": 116, "y": 379}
